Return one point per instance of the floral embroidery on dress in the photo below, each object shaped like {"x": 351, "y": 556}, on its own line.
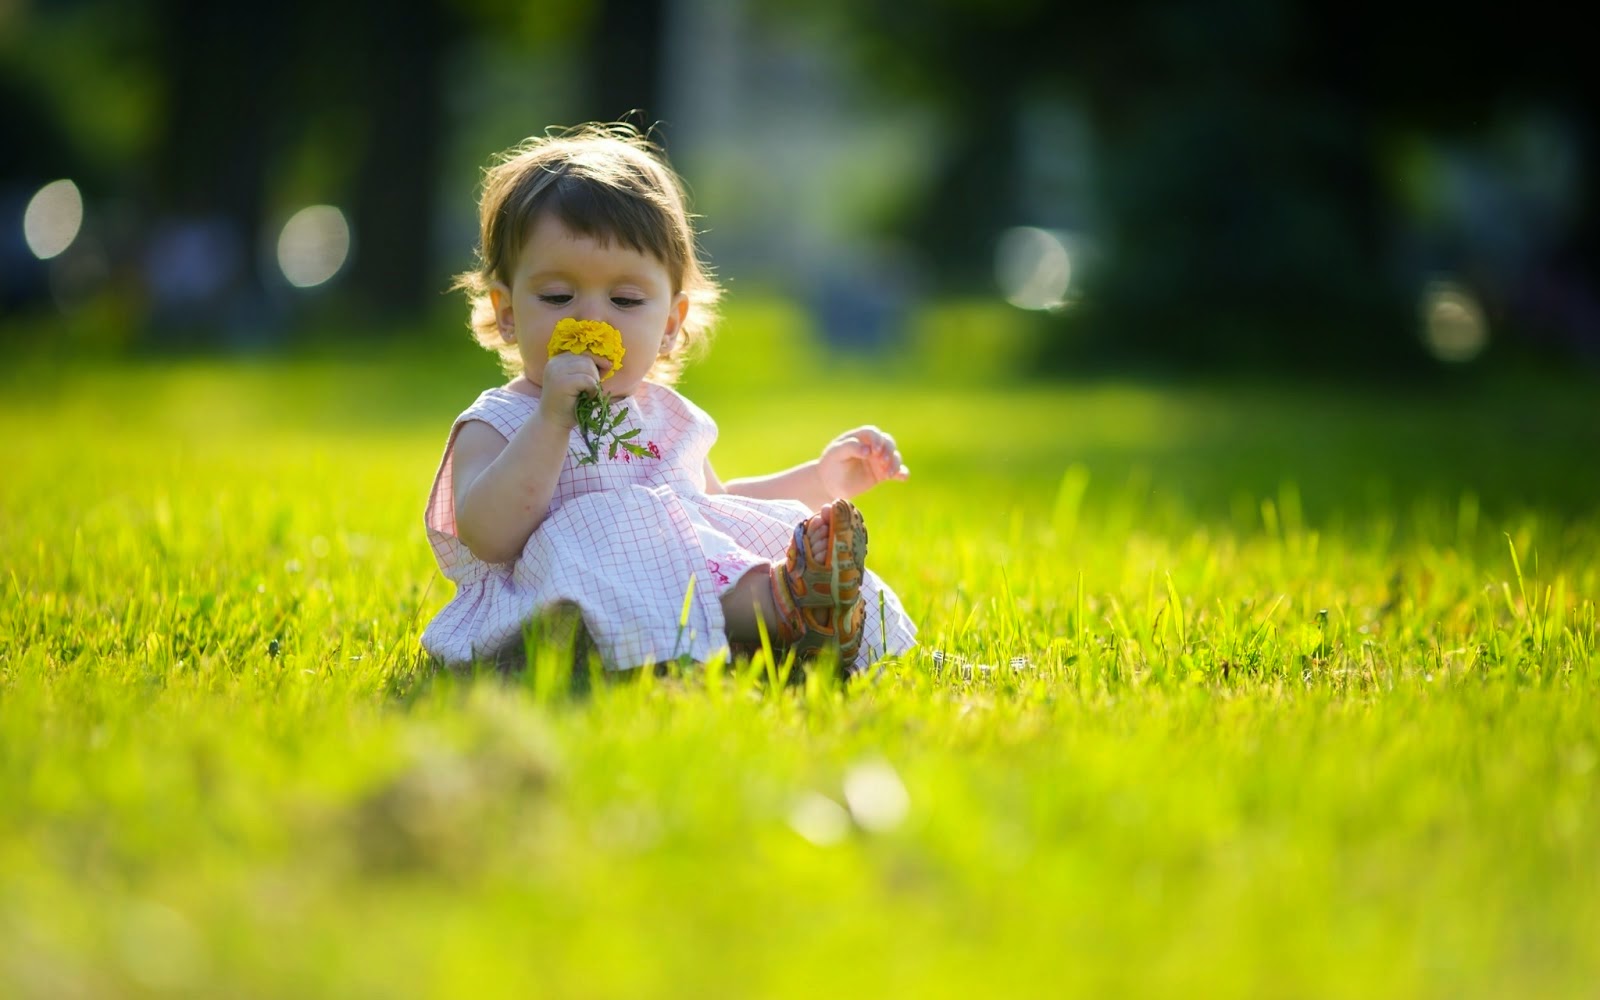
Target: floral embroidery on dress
{"x": 730, "y": 565}
{"x": 628, "y": 456}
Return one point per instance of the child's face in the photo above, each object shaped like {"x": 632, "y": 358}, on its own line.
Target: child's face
{"x": 561, "y": 274}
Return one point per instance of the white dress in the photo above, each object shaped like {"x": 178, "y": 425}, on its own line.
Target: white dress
{"x": 622, "y": 541}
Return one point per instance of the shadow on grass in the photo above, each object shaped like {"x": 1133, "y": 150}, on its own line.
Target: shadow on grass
{"x": 556, "y": 657}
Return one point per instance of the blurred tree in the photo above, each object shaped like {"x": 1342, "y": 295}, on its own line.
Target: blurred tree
{"x": 379, "y": 59}
{"x": 1238, "y": 149}
{"x": 33, "y": 152}
{"x": 616, "y": 46}
{"x": 234, "y": 91}
{"x": 1459, "y": 70}
{"x": 624, "y": 60}
{"x": 973, "y": 62}
{"x": 397, "y": 77}
{"x": 1238, "y": 142}
{"x": 1247, "y": 219}
{"x": 33, "y": 145}
{"x": 211, "y": 159}
{"x": 75, "y": 100}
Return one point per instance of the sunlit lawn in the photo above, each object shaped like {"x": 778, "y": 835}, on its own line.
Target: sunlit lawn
{"x": 1246, "y": 690}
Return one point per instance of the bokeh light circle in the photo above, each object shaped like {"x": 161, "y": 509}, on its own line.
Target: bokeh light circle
{"x": 52, "y": 219}
{"x": 1453, "y": 324}
{"x": 314, "y": 245}
{"x": 1033, "y": 268}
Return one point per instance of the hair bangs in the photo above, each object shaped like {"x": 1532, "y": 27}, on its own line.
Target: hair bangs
{"x": 606, "y": 213}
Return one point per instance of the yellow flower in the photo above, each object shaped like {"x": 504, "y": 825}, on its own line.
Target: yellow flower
{"x": 581, "y": 336}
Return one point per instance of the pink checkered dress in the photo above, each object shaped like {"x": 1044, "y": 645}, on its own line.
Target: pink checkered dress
{"x": 622, "y": 541}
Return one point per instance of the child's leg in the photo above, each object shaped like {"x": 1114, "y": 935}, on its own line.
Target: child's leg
{"x": 753, "y": 596}
{"x": 750, "y": 599}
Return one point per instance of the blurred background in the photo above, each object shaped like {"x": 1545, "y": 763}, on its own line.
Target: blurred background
{"x": 1358, "y": 189}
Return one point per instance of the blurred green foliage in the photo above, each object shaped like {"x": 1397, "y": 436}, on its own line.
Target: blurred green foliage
{"x": 1236, "y": 171}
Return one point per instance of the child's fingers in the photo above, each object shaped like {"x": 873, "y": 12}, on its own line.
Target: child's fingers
{"x": 567, "y": 368}
{"x": 885, "y": 445}
{"x": 888, "y": 459}
{"x": 875, "y": 449}
{"x": 852, "y": 447}
{"x": 602, "y": 365}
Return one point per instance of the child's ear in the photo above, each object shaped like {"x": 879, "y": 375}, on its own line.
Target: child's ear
{"x": 505, "y": 318}
{"x": 676, "y": 314}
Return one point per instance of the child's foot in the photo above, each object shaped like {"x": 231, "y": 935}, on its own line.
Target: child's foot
{"x": 817, "y": 590}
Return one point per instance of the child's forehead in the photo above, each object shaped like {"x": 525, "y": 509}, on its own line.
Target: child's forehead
{"x": 551, "y": 243}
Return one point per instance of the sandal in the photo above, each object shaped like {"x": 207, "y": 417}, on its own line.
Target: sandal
{"x": 803, "y": 591}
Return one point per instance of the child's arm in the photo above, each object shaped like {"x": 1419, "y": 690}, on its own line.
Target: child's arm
{"x": 503, "y": 487}
{"x": 851, "y": 464}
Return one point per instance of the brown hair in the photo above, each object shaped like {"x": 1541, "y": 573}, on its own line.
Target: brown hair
{"x": 603, "y": 181}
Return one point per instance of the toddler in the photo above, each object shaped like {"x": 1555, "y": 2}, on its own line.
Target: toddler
{"x": 591, "y": 225}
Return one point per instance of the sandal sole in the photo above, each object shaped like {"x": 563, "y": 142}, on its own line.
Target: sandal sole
{"x": 847, "y": 551}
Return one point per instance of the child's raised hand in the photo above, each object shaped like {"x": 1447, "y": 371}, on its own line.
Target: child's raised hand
{"x": 566, "y": 375}
{"x": 858, "y": 460}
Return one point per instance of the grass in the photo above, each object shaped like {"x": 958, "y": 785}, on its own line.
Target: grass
{"x": 1238, "y": 690}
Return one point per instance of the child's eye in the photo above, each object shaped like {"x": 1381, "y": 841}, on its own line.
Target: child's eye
{"x": 624, "y": 302}
{"x": 556, "y": 300}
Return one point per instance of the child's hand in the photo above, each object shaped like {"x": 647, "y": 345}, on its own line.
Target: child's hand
{"x": 858, "y": 460}
{"x": 566, "y": 375}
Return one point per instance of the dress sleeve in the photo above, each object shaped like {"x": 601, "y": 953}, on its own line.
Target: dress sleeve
{"x": 501, "y": 409}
